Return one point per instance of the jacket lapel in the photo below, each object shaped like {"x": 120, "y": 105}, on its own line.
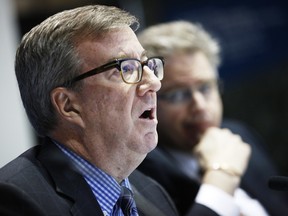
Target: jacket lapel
{"x": 150, "y": 198}
{"x": 68, "y": 182}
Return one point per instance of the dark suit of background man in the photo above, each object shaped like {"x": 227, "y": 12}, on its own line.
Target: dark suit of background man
{"x": 89, "y": 89}
{"x": 196, "y": 160}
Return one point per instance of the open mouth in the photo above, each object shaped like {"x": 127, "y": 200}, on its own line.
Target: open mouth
{"x": 147, "y": 114}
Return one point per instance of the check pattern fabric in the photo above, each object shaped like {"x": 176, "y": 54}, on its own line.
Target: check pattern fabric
{"x": 105, "y": 188}
{"x": 127, "y": 202}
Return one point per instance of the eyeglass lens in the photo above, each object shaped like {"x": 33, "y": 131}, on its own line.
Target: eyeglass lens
{"x": 132, "y": 69}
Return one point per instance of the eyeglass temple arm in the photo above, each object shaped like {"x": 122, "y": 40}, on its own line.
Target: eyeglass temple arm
{"x": 94, "y": 71}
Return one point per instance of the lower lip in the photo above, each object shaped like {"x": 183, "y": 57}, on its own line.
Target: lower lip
{"x": 150, "y": 121}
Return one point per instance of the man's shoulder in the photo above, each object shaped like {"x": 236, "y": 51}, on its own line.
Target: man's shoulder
{"x": 22, "y": 164}
{"x": 25, "y": 183}
{"x": 25, "y": 169}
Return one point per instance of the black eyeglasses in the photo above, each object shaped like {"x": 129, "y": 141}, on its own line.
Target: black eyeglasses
{"x": 131, "y": 69}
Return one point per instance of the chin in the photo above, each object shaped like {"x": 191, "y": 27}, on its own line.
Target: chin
{"x": 151, "y": 140}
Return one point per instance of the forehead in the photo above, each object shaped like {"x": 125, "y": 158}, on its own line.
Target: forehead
{"x": 116, "y": 43}
{"x": 187, "y": 69}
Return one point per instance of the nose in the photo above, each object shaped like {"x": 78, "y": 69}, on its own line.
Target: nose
{"x": 149, "y": 82}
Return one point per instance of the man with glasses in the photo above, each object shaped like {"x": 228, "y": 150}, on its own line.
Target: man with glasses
{"x": 89, "y": 89}
{"x": 196, "y": 161}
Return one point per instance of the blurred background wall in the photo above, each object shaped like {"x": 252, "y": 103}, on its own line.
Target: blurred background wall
{"x": 253, "y": 35}
{"x": 15, "y": 132}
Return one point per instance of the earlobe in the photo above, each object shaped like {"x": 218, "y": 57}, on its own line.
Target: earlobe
{"x": 65, "y": 103}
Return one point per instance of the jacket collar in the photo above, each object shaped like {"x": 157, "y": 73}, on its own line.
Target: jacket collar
{"x": 68, "y": 182}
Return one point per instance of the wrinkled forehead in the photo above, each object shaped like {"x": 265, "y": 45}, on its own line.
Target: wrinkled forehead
{"x": 116, "y": 43}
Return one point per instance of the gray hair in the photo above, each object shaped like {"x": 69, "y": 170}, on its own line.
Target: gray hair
{"x": 47, "y": 56}
{"x": 177, "y": 36}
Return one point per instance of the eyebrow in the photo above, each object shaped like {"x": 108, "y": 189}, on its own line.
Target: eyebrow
{"x": 124, "y": 55}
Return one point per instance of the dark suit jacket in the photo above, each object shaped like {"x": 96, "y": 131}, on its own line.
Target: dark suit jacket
{"x": 182, "y": 189}
{"x": 42, "y": 182}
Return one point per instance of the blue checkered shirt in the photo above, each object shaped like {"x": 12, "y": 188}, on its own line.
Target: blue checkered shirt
{"x": 105, "y": 188}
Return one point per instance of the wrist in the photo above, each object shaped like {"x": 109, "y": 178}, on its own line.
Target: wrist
{"x": 223, "y": 168}
{"x": 222, "y": 180}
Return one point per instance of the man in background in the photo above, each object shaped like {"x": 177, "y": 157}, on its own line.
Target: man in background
{"x": 200, "y": 157}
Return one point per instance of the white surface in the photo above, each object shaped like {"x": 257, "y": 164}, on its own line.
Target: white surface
{"x": 15, "y": 131}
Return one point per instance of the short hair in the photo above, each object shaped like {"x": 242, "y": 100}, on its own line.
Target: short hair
{"x": 47, "y": 56}
{"x": 167, "y": 38}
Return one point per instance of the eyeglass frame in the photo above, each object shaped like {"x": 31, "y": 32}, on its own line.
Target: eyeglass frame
{"x": 114, "y": 64}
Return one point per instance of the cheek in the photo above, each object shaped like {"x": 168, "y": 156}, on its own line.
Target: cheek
{"x": 216, "y": 108}
{"x": 105, "y": 102}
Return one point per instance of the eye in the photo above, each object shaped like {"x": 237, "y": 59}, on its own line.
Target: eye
{"x": 128, "y": 68}
{"x": 156, "y": 65}
{"x": 206, "y": 88}
{"x": 176, "y": 96}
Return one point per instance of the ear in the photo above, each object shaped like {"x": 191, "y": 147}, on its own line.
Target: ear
{"x": 66, "y": 105}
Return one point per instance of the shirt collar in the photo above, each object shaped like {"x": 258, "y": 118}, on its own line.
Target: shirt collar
{"x": 104, "y": 187}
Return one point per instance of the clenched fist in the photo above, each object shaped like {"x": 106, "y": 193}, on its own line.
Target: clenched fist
{"x": 223, "y": 156}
